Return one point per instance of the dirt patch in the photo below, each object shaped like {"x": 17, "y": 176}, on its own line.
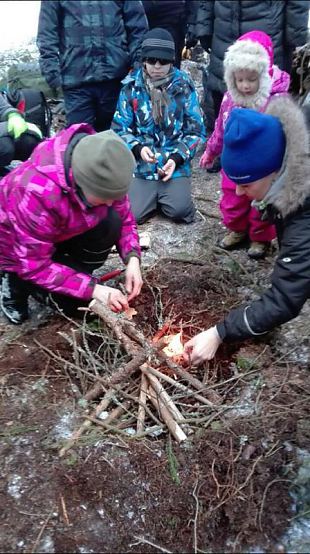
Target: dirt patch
{"x": 227, "y": 488}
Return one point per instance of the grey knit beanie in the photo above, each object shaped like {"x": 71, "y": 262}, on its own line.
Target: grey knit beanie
{"x": 103, "y": 165}
{"x": 158, "y": 43}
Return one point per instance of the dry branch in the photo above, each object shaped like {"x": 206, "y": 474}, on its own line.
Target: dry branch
{"x": 165, "y": 398}
{"x": 86, "y": 424}
{"x": 166, "y": 416}
{"x": 128, "y": 369}
{"x": 184, "y": 388}
{"x": 112, "y": 428}
{"x": 120, "y": 410}
{"x": 141, "y": 408}
{"x": 94, "y": 392}
{"x": 115, "y": 323}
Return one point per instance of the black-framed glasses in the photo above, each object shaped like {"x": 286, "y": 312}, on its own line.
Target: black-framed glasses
{"x": 152, "y": 61}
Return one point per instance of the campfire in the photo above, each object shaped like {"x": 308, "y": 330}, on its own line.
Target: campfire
{"x": 153, "y": 387}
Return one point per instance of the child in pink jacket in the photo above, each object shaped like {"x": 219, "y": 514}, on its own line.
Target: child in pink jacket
{"x": 252, "y": 80}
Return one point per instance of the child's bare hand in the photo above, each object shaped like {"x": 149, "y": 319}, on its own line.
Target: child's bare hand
{"x": 133, "y": 278}
{"x": 110, "y": 297}
{"x": 147, "y": 155}
{"x": 202, "y": 347}
{"x": 168, "y": 168}
{"x": 206, "y": 160}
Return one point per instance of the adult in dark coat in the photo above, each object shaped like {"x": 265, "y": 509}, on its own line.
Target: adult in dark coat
{"x": 176, "y": 16}
{"x": 87, "y": 48}
{"x": 220, "y": 23}
{"x": 269, "y": 161}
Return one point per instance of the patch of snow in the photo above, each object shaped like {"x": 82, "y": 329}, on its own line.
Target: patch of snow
{"x": 40, "y": 384}
{"x": 14, "y": 486}
{"x": 297, "y": 536}
{"x": 246, "y": 404}
{"x": 130, "y": 431}
{"x": 47, "y": 544}
{"x": 64, "y": 428}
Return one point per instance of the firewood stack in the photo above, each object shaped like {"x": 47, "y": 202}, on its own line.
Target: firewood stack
{"x": 151, "y": 392}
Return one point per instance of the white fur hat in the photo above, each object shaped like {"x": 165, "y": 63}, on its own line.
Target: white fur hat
{"x": 248, "y": 54}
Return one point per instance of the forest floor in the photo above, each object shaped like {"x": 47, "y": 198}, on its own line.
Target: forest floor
{"x": 233, "y": 486}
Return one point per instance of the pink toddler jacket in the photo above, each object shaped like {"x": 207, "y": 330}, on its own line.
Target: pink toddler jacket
{"x": 40, "y": 208}
{"x": 251, "y": 51}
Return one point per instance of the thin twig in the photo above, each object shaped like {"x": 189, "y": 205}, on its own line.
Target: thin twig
{"x": 260, "y": 515}
{"x": 146, "y": 541}
{"x": 142, "y": 402}
{"x": 64, "y": 510}
{"x": 194, "y": 493}
{"x": 36, "y": 542}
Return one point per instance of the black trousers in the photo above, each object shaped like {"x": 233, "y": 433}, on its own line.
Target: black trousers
{"x": 84, "y": 253}
{"x": 11, "y": 149}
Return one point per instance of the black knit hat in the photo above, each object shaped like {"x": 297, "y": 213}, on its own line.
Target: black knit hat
{"x": 158, "y": 43}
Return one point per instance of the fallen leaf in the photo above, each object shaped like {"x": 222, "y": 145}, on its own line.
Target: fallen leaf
{"x": 130, "y": 313}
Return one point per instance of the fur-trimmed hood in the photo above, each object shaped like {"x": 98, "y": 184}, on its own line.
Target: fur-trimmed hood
{"x": 293, "y": 181}
{"x": 254, "y": 51}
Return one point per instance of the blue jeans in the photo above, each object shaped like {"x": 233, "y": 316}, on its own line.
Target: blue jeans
{"x": 92, "y": 103}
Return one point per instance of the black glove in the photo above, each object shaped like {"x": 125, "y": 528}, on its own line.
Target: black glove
{"x": 190, "y": 41}
{"x": 206, "y": 42}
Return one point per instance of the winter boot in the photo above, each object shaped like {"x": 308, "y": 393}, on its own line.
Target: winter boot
{"x": 40, "y": 295}
{"x": 14, "y": 298}
{"x": 232, "y": 239}
{"x": 258, "y": 250}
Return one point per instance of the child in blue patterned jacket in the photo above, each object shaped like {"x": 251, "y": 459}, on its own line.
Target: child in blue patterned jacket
{"x": 159, "y": 117}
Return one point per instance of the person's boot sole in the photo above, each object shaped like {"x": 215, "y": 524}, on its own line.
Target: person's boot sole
{"x": 9, "y": 316}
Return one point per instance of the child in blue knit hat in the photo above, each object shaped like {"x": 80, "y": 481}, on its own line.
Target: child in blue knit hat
{"x": 252, "y": 80}
{"x": 266, "y": 155}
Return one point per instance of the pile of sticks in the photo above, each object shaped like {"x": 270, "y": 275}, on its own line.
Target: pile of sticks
{"x": 151, "y": 387}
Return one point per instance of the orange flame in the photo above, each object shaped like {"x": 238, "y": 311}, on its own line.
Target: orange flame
{"x": 174, "y": 346}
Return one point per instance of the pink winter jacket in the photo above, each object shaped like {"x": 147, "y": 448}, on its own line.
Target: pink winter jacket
{"x": 280, "y": 85}
{"x": 39, "y": 208}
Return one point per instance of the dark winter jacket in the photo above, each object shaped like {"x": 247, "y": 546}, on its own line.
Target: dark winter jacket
{"x": 167, "y": 13}
{"x": 89, "y": 41}
{"x": 290, "y": 211}
{"x": 286, "y": 21}
{"x": 5, "y": 108}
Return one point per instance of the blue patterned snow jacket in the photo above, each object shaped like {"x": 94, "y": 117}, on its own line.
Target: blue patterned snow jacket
{"x": 180, "y": 131}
